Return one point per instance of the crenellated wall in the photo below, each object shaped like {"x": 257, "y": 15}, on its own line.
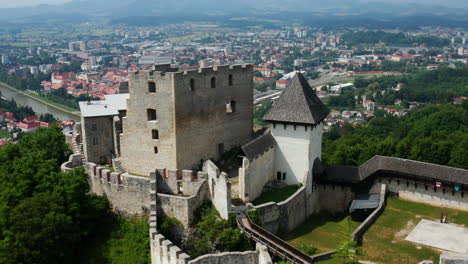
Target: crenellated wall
{"x": 127, "y": 193}
{"x": 180, "y": 194}
{"x": 163, "y": 251}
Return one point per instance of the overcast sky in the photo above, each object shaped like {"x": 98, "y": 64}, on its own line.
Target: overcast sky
{"x": 18, "y": 3}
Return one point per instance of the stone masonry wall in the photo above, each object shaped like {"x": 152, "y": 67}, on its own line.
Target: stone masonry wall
{"x": 253, "y": 175}
{"x": 333, "y": 199}
{"x": 202, "y": 119}
{"x": 136, "y": 141}
{"x": 219, "y": 187}
{"x": 192, "y": 122}
{"x": 127, "y": 193}
{"x": 289, "y": 214}
{"x": 98, "y": 136}
{"x": 164, "y": 251}
{"x": 410, "y": 190}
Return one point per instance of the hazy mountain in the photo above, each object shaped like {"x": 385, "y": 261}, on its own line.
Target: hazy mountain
{"x": 79, "y": 10}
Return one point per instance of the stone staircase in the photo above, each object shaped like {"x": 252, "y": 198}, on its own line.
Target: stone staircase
{"x": 77, "y": 146}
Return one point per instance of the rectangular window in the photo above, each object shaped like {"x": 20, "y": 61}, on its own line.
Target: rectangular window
{"x": 151, "y": 87}
{"x": 231, "y": 82}
{"x": 278, "y": 176}
{"x": 95, "y": 141}
{"x": 221, "y": 149}
{"x": 94, "y": 127}
{"x": 284, "y": 176}
{"x": 155, "y": 134}
{"x": 151, "y": 114}
{"x": 155, "y": 150}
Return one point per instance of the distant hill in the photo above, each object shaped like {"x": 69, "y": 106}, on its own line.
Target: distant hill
{"x": 288, "y": 10}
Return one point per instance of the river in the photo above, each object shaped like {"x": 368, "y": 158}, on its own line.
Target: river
{"x": 38, "y": 107}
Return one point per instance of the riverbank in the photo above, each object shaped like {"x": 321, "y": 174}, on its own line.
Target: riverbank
{"x": 45, "y": 101}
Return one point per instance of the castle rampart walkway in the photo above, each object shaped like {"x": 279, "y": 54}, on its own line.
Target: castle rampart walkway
{"x": 274, "y": 244}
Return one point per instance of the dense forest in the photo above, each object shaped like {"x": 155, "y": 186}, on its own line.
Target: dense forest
{"x": 374, "y": 37}
{"x": 435, "y": 134}
{"x": 51, "y": 217}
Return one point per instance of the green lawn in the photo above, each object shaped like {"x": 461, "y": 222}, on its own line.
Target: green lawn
{"x": 384, "y": 241}
{"x": 322, "y": 231}
{"x": 278, "y": 195}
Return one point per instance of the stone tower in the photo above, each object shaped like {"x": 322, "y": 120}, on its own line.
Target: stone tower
{"x": 175, "y": 118}
{"x": 296, "y": 121}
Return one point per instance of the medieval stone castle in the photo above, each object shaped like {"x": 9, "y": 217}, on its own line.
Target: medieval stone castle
{"x": 141, "y": 150}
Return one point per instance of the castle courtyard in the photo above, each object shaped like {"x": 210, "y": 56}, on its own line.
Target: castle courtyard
{"x": 439, "y": 235}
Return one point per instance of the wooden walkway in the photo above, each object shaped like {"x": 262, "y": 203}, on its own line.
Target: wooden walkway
{"x": 274, "y": 244}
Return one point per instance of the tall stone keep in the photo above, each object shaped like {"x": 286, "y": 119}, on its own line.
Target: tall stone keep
{"x": 175, "y": 118}
{"x": 296, "y": 121}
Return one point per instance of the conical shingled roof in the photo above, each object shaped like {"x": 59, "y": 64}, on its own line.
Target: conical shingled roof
{"x": 298, "y": 104}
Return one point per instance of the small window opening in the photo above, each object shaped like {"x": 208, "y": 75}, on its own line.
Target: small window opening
{"x": 155, "y": 134}
{"x": 278, "y": 176}
{"x": 155, "y": 150}
{"x": 221, "y": 149}
{"x": 213, "y": 82}
{"x": 94, "y": 127}
{"x": 231, "y": 107}
{"x": 151, "y": 87}
{"x": 151, "y": 114}
{"x": 284, "y": 177}
{"x": 230, "y": 80}
{"x": 95, "y": 141}
{"x": 192, "y": 84}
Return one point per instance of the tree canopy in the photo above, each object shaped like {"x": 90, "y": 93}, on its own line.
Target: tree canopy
{"x": 435, "y": 134}
{"x": 44, "y": 214}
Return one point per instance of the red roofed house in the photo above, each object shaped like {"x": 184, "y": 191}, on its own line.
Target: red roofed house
{"x": 31, "y": 123}
{"x": 9, "y": 116}
{"x": 3, "y": 143}
{"x": 60, "y": 77}
{"x": 281, "y": 84}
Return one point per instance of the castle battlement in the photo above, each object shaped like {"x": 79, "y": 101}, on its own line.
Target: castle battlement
{"x": 171, "y": 73}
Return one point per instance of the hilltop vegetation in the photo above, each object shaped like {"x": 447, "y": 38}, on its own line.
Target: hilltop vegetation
{"x": 51, "y": 217}
{"x": 431, "y": 87}
{"x": 435, "y": 134}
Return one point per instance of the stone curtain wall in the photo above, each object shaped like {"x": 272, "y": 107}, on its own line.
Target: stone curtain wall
{"x": 285, "y": 216}
{"x": 163, "y": 251}
{"x": 333, "y": 199}
{"x": 182, "y": 207}
{"x": 74, "y": 161}
{"x": 253, "y": 175}
{"x": 219, "y": 188}
{"x": 289, "y": 214}
{"x": 411, "y": 190}
{"x": 127, "y": 193}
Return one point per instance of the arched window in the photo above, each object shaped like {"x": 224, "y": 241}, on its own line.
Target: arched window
{"x": 230, "y": 80}
{"x": 192, "y": 84}
{"x": 213, "y": 82}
